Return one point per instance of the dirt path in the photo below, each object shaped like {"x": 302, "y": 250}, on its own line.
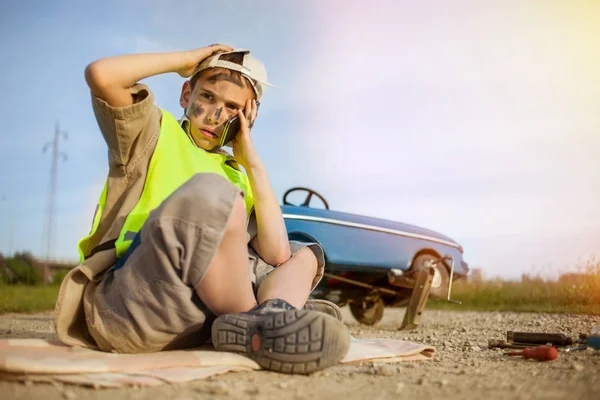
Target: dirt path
{"x": 463, "y": 367}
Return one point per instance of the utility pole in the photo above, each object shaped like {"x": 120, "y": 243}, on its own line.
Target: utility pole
{"x": 49, "y": 229}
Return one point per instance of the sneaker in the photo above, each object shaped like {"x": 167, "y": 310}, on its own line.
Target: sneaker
{"x": 282, "y": 338}
{"x": 324, "y": 306}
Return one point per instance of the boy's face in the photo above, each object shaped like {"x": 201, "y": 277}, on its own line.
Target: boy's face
{"x": 210, "y": 104}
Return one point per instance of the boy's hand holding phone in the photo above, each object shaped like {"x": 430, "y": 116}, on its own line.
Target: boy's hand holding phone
{"x": 232, "y": 127}
{"x": 244, "y": 151}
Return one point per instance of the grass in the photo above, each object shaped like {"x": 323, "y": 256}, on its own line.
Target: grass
{"x": 570, "y": 293}
{"x": 519, "y": 296}
{"x": 27, "y": 298}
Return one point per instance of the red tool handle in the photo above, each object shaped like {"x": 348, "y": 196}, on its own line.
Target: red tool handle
{"x": 540, "y": 353}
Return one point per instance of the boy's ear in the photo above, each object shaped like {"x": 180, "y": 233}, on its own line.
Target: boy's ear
{"x": 186, "y": 94}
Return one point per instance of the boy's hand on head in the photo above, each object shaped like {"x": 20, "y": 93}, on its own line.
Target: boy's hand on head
{"x": 192, "y": 58}
{"x": 244, "y": 151}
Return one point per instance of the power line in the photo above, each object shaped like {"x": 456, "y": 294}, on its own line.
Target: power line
{"x": 49, "y": 229}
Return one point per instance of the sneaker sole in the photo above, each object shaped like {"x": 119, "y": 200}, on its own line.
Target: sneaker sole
{"x": 294, "y": 342}
{"x": 323, "y": 306}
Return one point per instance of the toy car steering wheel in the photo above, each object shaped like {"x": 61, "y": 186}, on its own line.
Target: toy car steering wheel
{"x": 308, "y": 197}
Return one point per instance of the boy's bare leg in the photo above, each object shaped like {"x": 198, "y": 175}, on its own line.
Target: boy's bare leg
{"x": 291, "y": 281}
{"x": 278, "y": 334}
{"x": 227, "y": 286}
{"x": 283, "y": 339}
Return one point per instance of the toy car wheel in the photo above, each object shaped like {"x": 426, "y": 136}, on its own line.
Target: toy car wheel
{"x": 368, "y": 311}
{"x": 441, "y": 276}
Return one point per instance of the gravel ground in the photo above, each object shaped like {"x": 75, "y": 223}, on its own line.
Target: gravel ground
{"x": 463, "y": 368}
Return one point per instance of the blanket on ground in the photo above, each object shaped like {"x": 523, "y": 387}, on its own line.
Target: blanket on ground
{"x": 37, "y": 360}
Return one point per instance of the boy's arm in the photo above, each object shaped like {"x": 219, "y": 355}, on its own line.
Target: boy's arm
{"x": 110, "y": 79}
{"x": 271, "y": 240}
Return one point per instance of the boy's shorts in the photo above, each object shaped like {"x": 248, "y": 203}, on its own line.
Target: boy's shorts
{"x": 147, "y": 302}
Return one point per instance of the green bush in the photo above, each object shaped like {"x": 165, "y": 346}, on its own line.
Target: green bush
{"x": 20, "y": 269}
{"x": 26, "y": 273}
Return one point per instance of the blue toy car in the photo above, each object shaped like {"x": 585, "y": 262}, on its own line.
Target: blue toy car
{"x": 372, "y": 263}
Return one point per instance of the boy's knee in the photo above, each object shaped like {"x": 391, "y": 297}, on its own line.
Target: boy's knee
{"x": 202, "y": 194}
{"x": 307, "y": 258}
{"x": 205, "y": 190}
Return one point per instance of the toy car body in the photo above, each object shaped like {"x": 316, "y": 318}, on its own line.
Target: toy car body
{"x": 372, "y": 263}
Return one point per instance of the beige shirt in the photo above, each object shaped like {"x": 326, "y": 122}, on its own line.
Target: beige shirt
{"x": 131, "y": 134}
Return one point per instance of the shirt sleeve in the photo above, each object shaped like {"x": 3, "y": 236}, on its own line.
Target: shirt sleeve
{"x": 126, "y": 130}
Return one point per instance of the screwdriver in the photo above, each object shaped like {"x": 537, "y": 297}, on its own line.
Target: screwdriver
{"x": 540, "y": 353}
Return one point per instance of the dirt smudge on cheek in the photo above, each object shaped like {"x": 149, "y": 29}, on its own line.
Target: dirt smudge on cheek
{"x": 196, "y": 110}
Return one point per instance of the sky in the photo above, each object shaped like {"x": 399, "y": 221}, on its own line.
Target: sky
{"x": 475, "y": 118}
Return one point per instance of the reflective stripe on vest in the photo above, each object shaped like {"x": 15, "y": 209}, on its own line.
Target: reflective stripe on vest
{"x": 175, "y": 160}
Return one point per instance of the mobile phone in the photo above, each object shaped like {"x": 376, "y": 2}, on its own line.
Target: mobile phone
{"x": 231, "y": 128}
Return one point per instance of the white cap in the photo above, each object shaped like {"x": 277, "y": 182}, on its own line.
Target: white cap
{"x": 251, "y": 68}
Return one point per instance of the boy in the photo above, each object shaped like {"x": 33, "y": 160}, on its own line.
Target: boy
{"x": 183, "y": 243}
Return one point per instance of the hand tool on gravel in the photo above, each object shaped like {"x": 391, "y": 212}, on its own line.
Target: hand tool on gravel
{"x": 539, "y": 353}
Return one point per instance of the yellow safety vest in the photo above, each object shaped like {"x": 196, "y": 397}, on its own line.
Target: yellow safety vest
{"x": 175, "y": 160}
